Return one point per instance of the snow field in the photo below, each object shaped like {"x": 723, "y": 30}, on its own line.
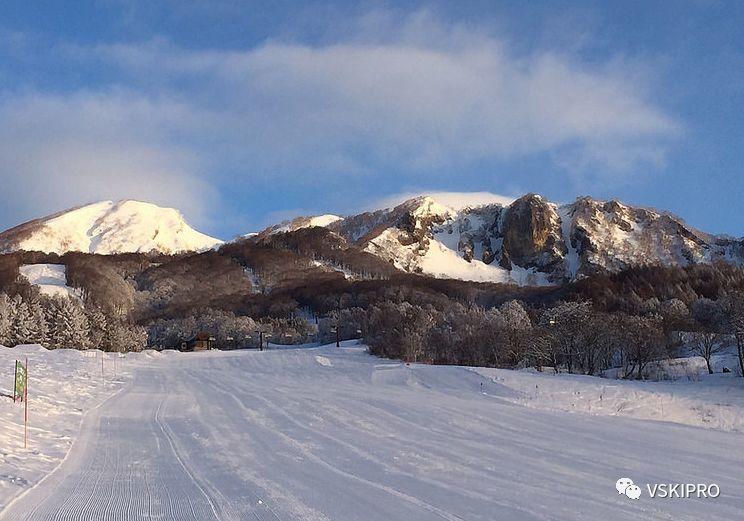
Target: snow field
{"x": 335, "y": 434}
{"x": 51, "y": 279}
{"x": 710, "y": 401}
{"x": 63, "y": 385}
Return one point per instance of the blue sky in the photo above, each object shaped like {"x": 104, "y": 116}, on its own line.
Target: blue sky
{"x": 245, "y": 113}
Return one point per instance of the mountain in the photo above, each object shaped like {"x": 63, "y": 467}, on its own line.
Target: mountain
{"x": 529, "y": 242}
{"x": 108, "y": 227}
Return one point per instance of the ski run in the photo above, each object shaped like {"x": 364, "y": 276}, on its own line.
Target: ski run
{"x": 335, "y": 434}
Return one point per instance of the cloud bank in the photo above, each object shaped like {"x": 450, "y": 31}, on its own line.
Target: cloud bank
{"x": 62, "y": 151}
{"x": 425, "y": 97}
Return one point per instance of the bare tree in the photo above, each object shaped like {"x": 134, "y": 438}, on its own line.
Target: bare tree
{"x": 706, "y": 344}
{"x": 565, "y": 328}
{"x": 644, "y": 343}
{"x": 516, "y": 327}
{"x": 708, "y": 322}
{"x": 733, "y": 306}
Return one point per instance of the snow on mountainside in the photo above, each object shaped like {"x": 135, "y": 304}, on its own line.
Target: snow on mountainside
{"x": 108, "y": 227}
{"x": 50, "y": 278}
{"x": 302, "y": 222}
{"x": 530, "y": 241}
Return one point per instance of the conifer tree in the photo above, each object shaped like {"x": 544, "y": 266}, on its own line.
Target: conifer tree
{"x": 98, "y": 325}
{"x": 6, "y": 319}
{"x": 21, "y": 330}
{"x": 39, "y": 327}
{"x": 69, "y": 325}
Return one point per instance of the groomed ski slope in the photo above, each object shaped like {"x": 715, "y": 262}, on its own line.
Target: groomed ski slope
{"x": 335, "y": 434}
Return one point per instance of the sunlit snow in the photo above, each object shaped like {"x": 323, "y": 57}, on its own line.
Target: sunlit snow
{"x": 50, "y": 278}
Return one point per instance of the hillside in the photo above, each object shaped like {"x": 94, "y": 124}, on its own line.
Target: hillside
{"x": 531, "y": 241}
{"x": 106, "y": 228}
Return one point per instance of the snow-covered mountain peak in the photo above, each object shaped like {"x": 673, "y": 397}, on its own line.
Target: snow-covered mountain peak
{"x": 108, "y": 227}
{"x": 426, "y": 206}
{"x": 310, "y": 221}
{"x": 530, "y": 240}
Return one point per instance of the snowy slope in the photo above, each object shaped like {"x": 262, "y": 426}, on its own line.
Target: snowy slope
{"x": 616, "y": 236}
{"x": 710, "y": 401}
{"x": 438, "y": 259}
{"x": 424, "y": 236}
{"x": 302, "y": 222}
{"x": 335, "y": 434}
{"x": 50, "y": 278}
{"x": 108, "y": 227}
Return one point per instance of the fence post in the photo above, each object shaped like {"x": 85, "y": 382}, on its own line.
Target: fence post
{"x": 15, "y": 379}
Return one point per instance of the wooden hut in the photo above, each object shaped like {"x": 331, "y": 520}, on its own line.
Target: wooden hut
{"x": 199, "y": 342}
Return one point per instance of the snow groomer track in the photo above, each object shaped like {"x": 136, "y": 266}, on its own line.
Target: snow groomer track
{"x": 334, "y": 434}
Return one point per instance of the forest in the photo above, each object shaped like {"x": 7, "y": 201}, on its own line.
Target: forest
{"x": 288, "y": 291}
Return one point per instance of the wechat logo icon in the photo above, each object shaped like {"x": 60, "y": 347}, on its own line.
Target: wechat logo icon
{"x": 629, "y": 489}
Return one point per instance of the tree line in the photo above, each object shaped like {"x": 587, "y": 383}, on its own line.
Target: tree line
{"x": 59, "y": 322}
{"x": 572, "y": 336}
{"x": 229, "y": 331}
{"x": 627, "y": 319}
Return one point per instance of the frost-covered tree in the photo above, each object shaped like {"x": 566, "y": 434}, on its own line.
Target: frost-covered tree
{"x": 733, "y": 306}
{"x": 122, "y": 337}
{"x": 645, "y": 343}
{"x": 69, "y": 325}
{"x": 565, "y": 328}
{"x": 21, "y": 331}
{"x": 98, "y": 330}
{"x": 350, "y": 323}
{"x": 516, "y": 327}
{"x": 228, "y": 329}
{"x": 675, "y": 318}
{"x": 709, "y": 319}
{"x": 706, "y": 344}
{"x": 6, "y": 319}
{"x": 39, "y": 333}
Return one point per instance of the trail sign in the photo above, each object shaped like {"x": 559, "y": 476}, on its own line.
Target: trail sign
{"x": 19, "y": 386}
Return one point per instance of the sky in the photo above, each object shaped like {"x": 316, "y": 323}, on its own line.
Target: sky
{"x": 242, "y": 114}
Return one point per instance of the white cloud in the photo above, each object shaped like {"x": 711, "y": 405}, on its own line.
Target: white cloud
{"x": 62, "y": 151}
{"x": 408, "y": 99}
{"x": 426, "y": 96}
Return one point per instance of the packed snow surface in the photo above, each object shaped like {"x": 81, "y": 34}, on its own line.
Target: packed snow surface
{"x": 115, "y": 227}
{"x": 50, "y": 278}
{"x": 63, "y": 385}
{"x": 335, "y": 434}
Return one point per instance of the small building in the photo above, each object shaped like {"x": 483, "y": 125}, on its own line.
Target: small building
{"x": 199, "y": 342}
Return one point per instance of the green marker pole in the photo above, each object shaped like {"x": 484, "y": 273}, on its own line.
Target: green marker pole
{"x": 25, "y": 413}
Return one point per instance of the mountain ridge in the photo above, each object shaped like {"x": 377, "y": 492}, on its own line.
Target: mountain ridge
{"x": 530, "y": 241}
